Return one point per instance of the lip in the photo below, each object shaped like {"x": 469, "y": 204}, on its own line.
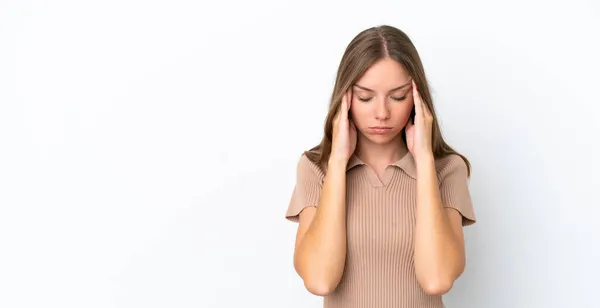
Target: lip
{"x": 380, "y": 129}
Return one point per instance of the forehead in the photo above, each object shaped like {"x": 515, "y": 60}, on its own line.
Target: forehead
{"x": 384, "y": 75}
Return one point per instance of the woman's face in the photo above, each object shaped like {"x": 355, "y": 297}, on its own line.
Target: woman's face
{"x": 382, "y": 101}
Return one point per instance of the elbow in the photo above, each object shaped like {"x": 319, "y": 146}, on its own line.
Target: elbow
{"x": 440, "y": 280}
{"x": 437, "y": 286}
{"x": 317, "y": 280}
{"x": 318, "y": 284}
{"x": 319, "y": 288}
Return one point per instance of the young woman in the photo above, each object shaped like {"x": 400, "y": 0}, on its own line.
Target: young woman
{"x": 382, "y": 200}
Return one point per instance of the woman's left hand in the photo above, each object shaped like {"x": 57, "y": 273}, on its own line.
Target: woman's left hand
{"x": 418, "y": 133}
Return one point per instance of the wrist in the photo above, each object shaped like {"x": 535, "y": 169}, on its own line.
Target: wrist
{"x": 337, "y": 162}
{"x": 425, "y": 160}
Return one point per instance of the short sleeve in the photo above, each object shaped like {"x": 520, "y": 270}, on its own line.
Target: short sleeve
{"x": 307, "y": 190}
{"x": 454, "y": 189}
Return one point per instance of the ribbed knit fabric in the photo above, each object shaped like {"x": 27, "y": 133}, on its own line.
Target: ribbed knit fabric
{"x": 379, "y": 270}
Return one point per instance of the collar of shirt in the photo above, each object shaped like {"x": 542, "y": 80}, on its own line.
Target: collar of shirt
{"x": 406, "y": 163}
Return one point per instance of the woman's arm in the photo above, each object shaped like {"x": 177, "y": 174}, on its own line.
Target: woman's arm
{"x": 439, "y": 242}
{"x": 320, "y": 251}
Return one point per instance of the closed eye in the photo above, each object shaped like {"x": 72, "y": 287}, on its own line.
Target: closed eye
{"x": 398, "y": 99}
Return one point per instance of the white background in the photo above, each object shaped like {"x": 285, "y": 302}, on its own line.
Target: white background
{"x": 148, "y": 148}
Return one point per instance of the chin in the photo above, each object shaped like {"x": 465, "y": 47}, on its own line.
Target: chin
{"x": 382, "y": 139}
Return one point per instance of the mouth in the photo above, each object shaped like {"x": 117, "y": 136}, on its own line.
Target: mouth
{"x": 380, "y": 129}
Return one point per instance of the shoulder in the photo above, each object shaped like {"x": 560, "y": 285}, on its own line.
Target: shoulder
{"x": 450, "y": 164}
{"x": 309, "y": 167}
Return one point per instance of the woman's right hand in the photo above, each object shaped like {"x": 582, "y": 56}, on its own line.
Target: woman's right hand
{"x": 344, "y": 131}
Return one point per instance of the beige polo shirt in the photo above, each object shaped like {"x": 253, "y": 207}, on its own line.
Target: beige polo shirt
{"x": 379, "y": 270}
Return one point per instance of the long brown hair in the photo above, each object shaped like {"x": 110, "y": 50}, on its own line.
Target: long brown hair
{"x": 368, "y": 47}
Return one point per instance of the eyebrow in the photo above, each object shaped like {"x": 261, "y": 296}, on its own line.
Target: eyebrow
{"x": 392, "y": 90}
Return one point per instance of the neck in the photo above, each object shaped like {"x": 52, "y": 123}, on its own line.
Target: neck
{"x": 380, "y": 154}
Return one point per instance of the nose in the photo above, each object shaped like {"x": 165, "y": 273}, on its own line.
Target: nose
{"x": 381, "y": 110}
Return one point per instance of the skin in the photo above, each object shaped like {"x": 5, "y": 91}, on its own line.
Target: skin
{"x": 384, "y": 96}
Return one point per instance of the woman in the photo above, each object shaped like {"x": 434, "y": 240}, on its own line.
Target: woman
{"x": 381, "y": 201}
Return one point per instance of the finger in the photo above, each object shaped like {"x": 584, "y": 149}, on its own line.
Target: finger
{"x": 349, "y": 99}
{"x": 426, "y": 110}
{"x": 409, "y": 123}
{"x": 414, "y": 88}
{"x": 417, "y": 100}
{"x": 339, "y": 113}
{"x": 336, "y": 117}
{"x": 409, "y": 130}
{"x": 344, "y": 107}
